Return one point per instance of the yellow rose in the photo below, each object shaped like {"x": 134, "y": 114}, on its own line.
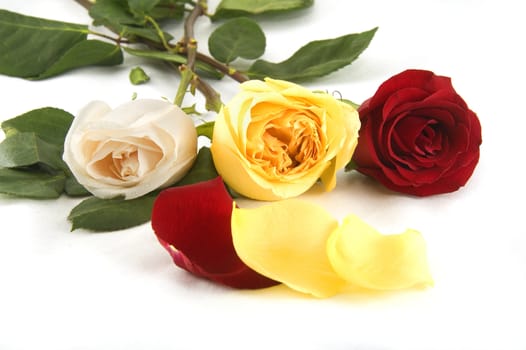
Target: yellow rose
{"x": 275, "y": 139}
{"x": 131, "y": 150}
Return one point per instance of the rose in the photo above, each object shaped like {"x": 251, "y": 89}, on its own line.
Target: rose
{"x": 275, "y": 139}
{"x": 131, "y": 150}
{"x": 418, "y": 136}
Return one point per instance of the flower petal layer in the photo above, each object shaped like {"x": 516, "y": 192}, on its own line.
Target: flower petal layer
{"x": 286, "y": 241}
{"x": 366, "y": 258}
{"x": 193, "y": 224}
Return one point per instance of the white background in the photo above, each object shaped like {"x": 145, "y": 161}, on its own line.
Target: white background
{"x": 79, "y": 290}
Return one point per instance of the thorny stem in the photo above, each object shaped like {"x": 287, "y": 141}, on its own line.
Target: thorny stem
{"x": 190, "y": 44}
{"x": 234, "y": 74}
{"x": 213, "y": 99}
{"x": 189, "y": 37}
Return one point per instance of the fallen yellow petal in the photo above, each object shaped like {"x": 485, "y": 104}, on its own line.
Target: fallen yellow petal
{"x": 366, "y": 258}
{"x": 286, "y": 241}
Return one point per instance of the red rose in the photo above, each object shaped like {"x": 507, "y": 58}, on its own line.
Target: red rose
{"x": 418, "y": 136}
{"x": 192, "y": 223}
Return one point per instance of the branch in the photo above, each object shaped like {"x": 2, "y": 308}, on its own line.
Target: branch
{"x": 234, "y": 74}
{"x": 190, "y": 43}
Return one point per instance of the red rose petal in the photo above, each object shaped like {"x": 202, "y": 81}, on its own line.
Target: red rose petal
{"x": 193, "y": 224}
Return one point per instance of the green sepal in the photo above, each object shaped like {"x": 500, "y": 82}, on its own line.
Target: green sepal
{"x": 352, "y": 165}
{"x": 206, "y": 129}
{"x": 350, "y": 103}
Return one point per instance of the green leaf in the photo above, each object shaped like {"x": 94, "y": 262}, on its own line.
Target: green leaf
{"x": 138, "y": 76}
{"x": 27, "y": 184}
{"x": 169, "y": 9}
{"x": 73, "y": 189}
{"x": 85, "y": 53}
{"x": 142, "y": 7}
{"x": 129, "y": 19}
{"x": 202, "y": 170}
{"x": 206, "y": 129}
{"x": 175, "y": 58}
{"x": 237, "y": 8}
{"x": 50, "y": 124}
{"x": 316, "y": 59}
{"x": 98, "y": 214}
{"x": 131, "y": 33}
{"x": 157, "y": 9}
{"x": 238, "y": 37}
{"x": 37, "y": 48}
{"x": 26, "y": 148}
{"x": 106, "y": 12}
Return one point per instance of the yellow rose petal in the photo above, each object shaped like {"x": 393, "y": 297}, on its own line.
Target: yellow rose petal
{"x": 366, "y": 258}
{"x": 286, "y": 241}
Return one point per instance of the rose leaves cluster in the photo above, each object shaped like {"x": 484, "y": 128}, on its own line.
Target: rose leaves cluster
{"x": 418, "y": 136}
{"x": 292, "y": 242}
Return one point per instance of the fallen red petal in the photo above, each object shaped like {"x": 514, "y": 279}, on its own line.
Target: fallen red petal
{"x": 193, "y": 224}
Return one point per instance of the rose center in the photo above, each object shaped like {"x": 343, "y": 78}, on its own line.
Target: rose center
{"x": 125, "y": 163}
{"x": 287, "y": 144}
{"x": 429, "y": 141}
{"x": 123, "y": 160}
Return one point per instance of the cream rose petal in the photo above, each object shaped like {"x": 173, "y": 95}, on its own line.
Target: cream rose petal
{"x": 366, "y": 258}
{"x": 286, "y": 241}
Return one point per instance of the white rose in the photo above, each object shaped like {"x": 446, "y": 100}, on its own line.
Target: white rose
{"x": 131, "y": 150}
